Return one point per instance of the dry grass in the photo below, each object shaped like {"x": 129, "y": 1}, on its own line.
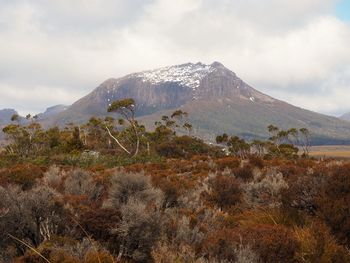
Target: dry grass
{"x": 337, "y": 151}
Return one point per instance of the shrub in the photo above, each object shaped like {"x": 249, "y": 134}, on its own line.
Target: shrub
{"x": 24, "y": 175}
{"x": 256, "y": 161}
{"x": 35, "y": 215}
{"x": 245, "y": 173}
{"x": 67, "y": 250}
{"x": 184, "y": 147}
{"x": 81, "y": 183}
{"x": 221, "y": 244}
{"x": 266, "y": 243}
{"x": 99, "y": 222}
{"x": 274, "y": 244}
{"x": 132, "y": 186}
{"x": 227, "y": 162}
{"x": 266, "y": 191}
{"x": 138, "y": 231}
{"x": 333, "y": 204}
{"x": 53, "y": 177}
{"x": 303, "y": 192}
{"x": 225, "y": 191}
{"x": 318, "y": 245}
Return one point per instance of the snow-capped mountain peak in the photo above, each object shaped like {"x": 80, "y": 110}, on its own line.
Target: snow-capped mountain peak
{"x": 187, "y": 75}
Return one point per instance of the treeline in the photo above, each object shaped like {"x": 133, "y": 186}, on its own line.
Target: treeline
{"x": 172, "y": 137}
{"x": 107, "y": 136}
{"x": 281, "y": 144}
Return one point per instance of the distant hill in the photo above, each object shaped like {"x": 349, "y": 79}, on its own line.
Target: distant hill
{"x": 51, "y": 112}
{"x": 5, "y": 116}
{"x": 345, "y": 117}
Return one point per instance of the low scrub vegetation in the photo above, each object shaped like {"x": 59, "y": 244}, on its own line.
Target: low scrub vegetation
{"x": 76, "y": 195}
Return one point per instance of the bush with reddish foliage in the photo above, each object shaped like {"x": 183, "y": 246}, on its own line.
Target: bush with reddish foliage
{"x": 99, "y": 222}
{"x": 224, "y": 192}
{"x": 272, "y": 244}
{"x": 220, "y": 245}
{"x": 256, "y": 161}
{"x": 303, "y": 192}
{"x": 333, "y": 204}
{"x": 244, "y": 173}
{"x": 24, "y": 175}
{"x": 227, "y": 162}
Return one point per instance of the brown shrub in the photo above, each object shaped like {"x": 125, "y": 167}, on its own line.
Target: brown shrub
{"x": 265, "y": 191}
{"x": 333, "y": 204}
{"x": 245, "y": 173}
{"x": 303, "y": 192}
{"x": 274, "y": 244}
{"x": 225, "y": 191}
{"x": 99, "y": 222}
{"x": 24, "y": 175}
{"x": 256, "y": 161}
{"x": 318, "y": 245}
{"x": 227, "y": 162}
{"x": 220, "y": 245}
{"x": 270, "y": 244}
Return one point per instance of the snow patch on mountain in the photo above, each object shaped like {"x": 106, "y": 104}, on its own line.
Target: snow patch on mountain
{"x": 187, "y": 75}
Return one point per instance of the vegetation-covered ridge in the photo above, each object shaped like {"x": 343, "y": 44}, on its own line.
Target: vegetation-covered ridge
{"x": 111, "y": 191}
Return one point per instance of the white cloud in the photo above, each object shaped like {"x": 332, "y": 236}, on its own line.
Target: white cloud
{"x": 37, "y": 96}
{"x": 295, "y": 50}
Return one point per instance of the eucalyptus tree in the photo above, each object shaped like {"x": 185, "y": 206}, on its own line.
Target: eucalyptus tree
{"x": 126, "y": 108}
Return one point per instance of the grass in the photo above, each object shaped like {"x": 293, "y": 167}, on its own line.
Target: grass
{"x": 336, "y": 151}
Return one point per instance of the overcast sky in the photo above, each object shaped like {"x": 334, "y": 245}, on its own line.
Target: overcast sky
{"x": 54, "y": 52}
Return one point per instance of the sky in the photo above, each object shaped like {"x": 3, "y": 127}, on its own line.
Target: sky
{"x": 54, "y": 52}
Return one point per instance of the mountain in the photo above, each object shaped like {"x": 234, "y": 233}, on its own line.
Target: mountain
{"x": 345, "y": 117}
{"x": 216, "y": 99}
{"x": 51, "y": 112}
{"x": 5, "y": 116}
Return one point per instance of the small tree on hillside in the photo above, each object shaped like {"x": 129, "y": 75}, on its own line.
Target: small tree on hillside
{"x": 126, "y": 108}
{"x": 304, "y": 140}
{"x": 181, "y": 122}
{"x": 236, "y": 146}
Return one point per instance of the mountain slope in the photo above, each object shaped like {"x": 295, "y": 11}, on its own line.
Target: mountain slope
{"x": 215, "y": 98}
{"x": 165, "y": 88}
{"x": 5, "y": 116}
{"x": 51, "y": 111}
{"x": 345, "y": 117}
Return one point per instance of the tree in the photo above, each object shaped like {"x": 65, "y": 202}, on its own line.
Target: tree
{"x": 222, "y": 138}
{"x": 179, "y": 116}
{"x": 75, "y": 143}
{"x": 281, "y": 142}
{"x": 259, "y": 147}
{"x": 93, "y": 133}
{"x": 25, "y": 140}
{"x": 305, "y": 141}
{"x": 126, "y": 108}
{"x": 15, "y": 117}
{"x": 236, "y": 146}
